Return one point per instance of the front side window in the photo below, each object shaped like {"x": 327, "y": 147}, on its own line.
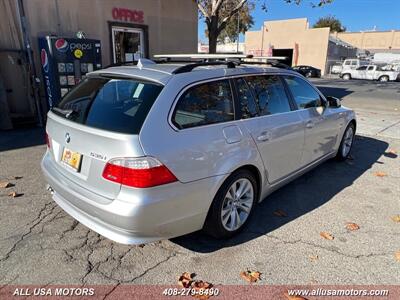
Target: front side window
{"x": 304, "y": 94}
{"x": 270, "y": 94}
{"x": 207, "y": 103}
{"x": 112, "y": 104}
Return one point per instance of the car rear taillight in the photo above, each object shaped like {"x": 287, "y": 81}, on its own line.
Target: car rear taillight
{"x": 142, "y": 172}
{"x": 48, "y": 141}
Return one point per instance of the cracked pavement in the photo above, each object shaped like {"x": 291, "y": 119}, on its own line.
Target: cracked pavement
{"x": 40, "y": 244}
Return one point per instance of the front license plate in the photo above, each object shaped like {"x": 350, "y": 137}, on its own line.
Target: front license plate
{"x": 72, "y": 159}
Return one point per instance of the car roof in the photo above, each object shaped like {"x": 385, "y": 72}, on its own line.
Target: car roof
{"x": 162, "y": 73}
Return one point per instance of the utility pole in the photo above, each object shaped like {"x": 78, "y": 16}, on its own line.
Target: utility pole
{"x": 262, "y": 40}
{"x": 32, "y": 71}
{"x": 238, "y": 32}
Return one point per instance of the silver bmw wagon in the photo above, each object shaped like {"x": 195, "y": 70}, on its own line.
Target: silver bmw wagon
{"x": 157, "y": 150}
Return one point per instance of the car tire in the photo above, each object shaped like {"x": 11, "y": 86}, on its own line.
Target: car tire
{"x": 346, "y": 143}
{"x": 384, "y": 79}
{"x": 220, "y": 222}
{"x": 346, "y": 76}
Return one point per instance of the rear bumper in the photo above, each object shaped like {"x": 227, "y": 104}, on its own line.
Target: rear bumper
{"x": 136, "y": 216}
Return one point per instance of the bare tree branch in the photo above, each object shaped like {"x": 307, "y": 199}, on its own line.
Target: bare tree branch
{"x": 234, "y": 11}
{"x": 203, "y": 10}
{"x": 216, "y": 6}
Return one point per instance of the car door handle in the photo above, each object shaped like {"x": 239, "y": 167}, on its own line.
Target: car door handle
{"x": 264, "y": 136}
{"x": 310, "y": 124}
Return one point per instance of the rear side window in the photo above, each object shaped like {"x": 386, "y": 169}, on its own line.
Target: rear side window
{"x": 270, "y": 94}
{"x": 118, "y": 105}
{"x": 207, "y": 103}
{"x": 303, "y": 93}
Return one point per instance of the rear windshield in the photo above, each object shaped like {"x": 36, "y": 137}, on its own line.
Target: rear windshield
{"x": 119, "y": 105}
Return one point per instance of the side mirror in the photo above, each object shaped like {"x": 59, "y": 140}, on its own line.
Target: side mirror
{"x": 334, "y": 102}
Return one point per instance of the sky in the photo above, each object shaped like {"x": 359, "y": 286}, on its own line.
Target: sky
{"x": 356, "y": 15}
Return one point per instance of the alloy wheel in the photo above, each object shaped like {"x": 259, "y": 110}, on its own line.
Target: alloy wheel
{"x": 237, "y": 204}
{"x": 348, "y": 141}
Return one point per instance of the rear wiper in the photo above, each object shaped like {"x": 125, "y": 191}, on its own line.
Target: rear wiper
{"x": 65, "y": 112}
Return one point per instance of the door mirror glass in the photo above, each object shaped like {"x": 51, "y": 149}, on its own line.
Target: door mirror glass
{"x": 334, "y": 102}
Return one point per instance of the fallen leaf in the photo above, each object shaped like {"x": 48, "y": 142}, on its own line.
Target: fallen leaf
{"x": 6, "y": 184}
{"x": 313, "y": 257}
{"x": 250, "y": 276}
{"x": 201, "y": 285}
{"x": 352, "y": 226}
{"x": 15, "y": 194}
{"x": 391, "y": 151}
{"x": 293, "y": 297}
{"x": 280, "y": 213}
{"x": 396, "y": 218}
{"x": 397, "y": 255}
{"x": 141, "y": 245}
{"x": 326, "y": 235}
{"x": 185, "y": 280}
{"x": 18, "y": 177}
{"x": 380, "y": 174}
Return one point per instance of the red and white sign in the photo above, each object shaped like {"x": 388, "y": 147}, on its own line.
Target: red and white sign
{"x": 128, "y": 15}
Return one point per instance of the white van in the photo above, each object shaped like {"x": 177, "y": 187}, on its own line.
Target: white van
{"x": 353, "y": 63}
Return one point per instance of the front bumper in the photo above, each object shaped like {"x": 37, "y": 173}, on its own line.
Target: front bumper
{"x": 136, "y": 216}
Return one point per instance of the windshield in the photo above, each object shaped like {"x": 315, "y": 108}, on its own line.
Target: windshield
{"x": 113, "y": 104}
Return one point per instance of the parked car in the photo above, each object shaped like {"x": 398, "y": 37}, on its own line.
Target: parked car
{"x": 308, "y": 71}
{"x": 371, "y": 72}
{"x": 153, "y": 151}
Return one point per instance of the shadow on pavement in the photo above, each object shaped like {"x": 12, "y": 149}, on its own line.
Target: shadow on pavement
{"x": 297, "y": 198}
{"x": 21, "y": 138}
{"x": 334, "y": 91}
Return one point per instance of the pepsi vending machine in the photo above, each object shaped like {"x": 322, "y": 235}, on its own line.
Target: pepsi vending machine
{"x": 65, "y": 62}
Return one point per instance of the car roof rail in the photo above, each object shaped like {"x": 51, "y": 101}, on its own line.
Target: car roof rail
{"x": 192, "y": 61}
{"x": 271, "y": 63}
{"x": 203, "y": 56}
{"x": 191, "y": 66}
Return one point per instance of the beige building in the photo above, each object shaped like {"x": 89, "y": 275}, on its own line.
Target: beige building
{"x": 126, "y": 29}
{"x": 373, "y": 41}
{"x": 298, "y": 42}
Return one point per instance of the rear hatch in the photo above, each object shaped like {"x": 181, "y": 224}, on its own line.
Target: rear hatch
{"x": 98, "y": 120}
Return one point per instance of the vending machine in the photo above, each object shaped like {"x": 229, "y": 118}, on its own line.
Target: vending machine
{"x": 65, "y": 62}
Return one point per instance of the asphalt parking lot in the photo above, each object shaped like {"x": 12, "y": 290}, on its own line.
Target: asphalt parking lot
{"x": 40, "y": 244}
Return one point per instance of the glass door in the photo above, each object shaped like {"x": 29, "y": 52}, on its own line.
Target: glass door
{"x": 128, "y": 44}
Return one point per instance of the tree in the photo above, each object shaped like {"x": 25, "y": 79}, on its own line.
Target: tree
{"x": 217, "y": 14}
{"x": 330, "y": 21}
{"x": 246, "y": 21}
